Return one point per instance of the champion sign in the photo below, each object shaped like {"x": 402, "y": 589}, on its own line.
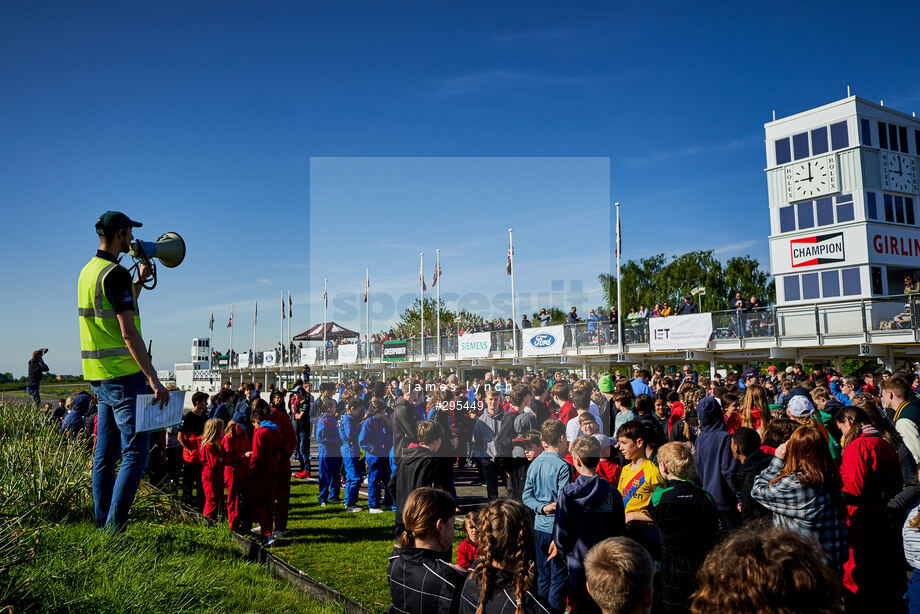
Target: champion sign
{"x": 820, "y": 249}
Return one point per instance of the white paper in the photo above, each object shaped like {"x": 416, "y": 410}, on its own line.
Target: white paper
{"x": 153, "y": 417}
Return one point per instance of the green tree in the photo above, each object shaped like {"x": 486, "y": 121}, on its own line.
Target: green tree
{"x": 556, "y": 315}
{"x": 410, "y": 319}
{"x": 743, "y": 274}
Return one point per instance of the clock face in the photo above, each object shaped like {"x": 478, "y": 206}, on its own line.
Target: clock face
{"x": 899, "y": 173}
{"x": 812, "y": 178}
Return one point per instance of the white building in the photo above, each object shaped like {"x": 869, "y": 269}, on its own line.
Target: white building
{"x": 842, "y": 182}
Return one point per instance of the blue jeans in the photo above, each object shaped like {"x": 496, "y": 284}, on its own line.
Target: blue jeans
{"x": 490, "y": 477}
{"x": 33, "y": 394}
{"x": 303, "y": 445}
{"x": 552, "y": 576}
{"x": 115, "y": 438}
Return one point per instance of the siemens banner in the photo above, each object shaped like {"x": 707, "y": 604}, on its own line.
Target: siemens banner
{"x": 690, "y": 332}
{"x": 348, "y": 353}
{"x": 542, "y": 341}
{"x": 474, "y": 345}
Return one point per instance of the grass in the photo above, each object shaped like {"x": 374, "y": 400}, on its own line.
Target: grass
{"x": 52, "y": 559}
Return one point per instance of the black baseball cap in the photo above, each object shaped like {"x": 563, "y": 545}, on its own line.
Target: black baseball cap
{"x": 110, "y": 221}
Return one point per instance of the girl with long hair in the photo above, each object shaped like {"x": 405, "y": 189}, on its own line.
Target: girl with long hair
{"x": 237, "y": 450}
{"x": 501, "y": 579}
{"x": 871, "y": 475}
{"x": 755, "y": 410}
{"x": 212, "y": 462}
{"x": 802, "y": 488}
{"x": 422, "y": 581}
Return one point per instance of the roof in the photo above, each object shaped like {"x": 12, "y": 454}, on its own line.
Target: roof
{"x": 333, "y": 331}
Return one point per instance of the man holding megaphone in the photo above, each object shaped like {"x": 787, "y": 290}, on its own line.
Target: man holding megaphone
{"x": 117, "y": 365}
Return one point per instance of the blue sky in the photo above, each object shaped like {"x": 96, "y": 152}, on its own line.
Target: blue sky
{"x": 204, "y": 119}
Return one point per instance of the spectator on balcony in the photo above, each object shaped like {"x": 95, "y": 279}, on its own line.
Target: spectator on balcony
{"x": 543, "y": 318}
{"x": 910, "y": 285}
{"x": 666, "y": 311}
{"x": 592, "y": 321}
{"x": 656, "y": 312}
{"x": 687, "y": 307}
{"x": 572, "y": 317}
{"x": 643, "y": 311}
{"x": 525, "y": 323}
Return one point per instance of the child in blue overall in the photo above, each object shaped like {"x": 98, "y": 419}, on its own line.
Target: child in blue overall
{"x": 350, "y": 429}
{"x": 377, "y": 442}
{"x": 329, "y": 443}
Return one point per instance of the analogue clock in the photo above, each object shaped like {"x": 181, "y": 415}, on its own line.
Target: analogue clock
{"x": 899, "y": 172}
{"x": 812, "y": 178}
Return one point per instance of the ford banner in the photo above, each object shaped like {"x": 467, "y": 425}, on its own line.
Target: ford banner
{"x": 542, "y": 341}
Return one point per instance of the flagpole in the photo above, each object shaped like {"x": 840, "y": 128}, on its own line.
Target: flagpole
{"x": 421, "y": 299}
{"x": 325, "y": 304}
{"x": 513, "y": 306}
{"x": 230, "y": 355}
{"x": 437, "y": 268}
{"x": 620, "y": 328}
{"x": 367, "y": 315}
{"x": 290, "y": 341}
{"x": 255, "y": 318}
{"x": 281, "y": 334}
{"x": 211, "y": 348}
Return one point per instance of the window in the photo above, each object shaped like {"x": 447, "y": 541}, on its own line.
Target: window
{"x": 800, "y": 145}
{"x": 917, "y": 142}
{"x": 902, "y": 132}
{"x": 844, "y": 198}
{"x": 783, "y": 154}
{"x": 882, "y": 135}
{"x": 825, "y": 208}
{"x": 871, "y": 212}
{"x": 830, "y": 283}
{"x": 819, "y": 141}
{"x": 806, "y": 215}
{"x": 786, "y": 219}
{"x": 845, "y": 213}
{"x": 909, "y": 210}
{"x": 839, "y": 138}
{"x": 866, "y": 130}
{"x": 889, "y": 208}
{"x": 791, "y": 287}
{"x": 810, "y": 286}
{"x": 850, "y": 282}
{"x": 893, "y": 137}
{"x": 899, "y": 209}
{"x": 875, "y": 276}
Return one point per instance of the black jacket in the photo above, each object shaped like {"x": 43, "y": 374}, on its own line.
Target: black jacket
{"x": 416, "y": 468}
{"x": 501, "y": 596}
{"x": 37, "y": 366}
{"x": 405, "y": 426}
{"x": 751, "y": 509}
{"x": 422, "y": 583}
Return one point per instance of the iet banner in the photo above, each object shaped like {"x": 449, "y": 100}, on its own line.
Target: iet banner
{"x": 474, "y": 345}
{"x": 542, "y": 341}
{"x": 689, "y": 332}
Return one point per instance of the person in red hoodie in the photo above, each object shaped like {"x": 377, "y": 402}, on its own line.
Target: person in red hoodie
{"x": 560, "y": 395}
{"x": 280, "y": 418}
{"x": 212, "y": 462}
{"x": 467, "y": 550}
{"x": 237, "y": 450}
{"x": 263, "y": 468}
{"x": 874, "y": 572}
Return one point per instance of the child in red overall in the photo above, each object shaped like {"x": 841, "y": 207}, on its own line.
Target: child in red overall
{"x": 212, "y": 462}
{"x": 263, "y": 469}
{"x": 288, "y": 443}
{"x": 237, "y": 450}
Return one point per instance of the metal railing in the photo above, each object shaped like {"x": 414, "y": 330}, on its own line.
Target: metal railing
{"x": 826, "y": 322}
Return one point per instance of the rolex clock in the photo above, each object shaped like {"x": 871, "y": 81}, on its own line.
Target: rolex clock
{"x": 899, "y": 172}
{"x": 812, "y": 178}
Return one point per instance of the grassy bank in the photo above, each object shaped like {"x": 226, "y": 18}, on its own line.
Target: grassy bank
{"x": 53, "y": 560}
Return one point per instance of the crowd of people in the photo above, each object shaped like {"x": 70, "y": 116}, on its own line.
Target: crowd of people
{"x": 605, "y": 479}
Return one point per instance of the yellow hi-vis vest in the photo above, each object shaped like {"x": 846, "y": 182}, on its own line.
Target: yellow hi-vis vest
{"x": 102, "y": 346}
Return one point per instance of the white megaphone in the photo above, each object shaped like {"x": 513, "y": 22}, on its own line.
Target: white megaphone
{"x": 169, "y": 249}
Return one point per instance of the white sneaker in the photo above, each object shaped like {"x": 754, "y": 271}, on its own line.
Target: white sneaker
{"x": 279, "y": 534}
{"x": 323, "y": 504}
{"x": 375, "y": 510}
{"x": 354, "y": 508}
{"x": 256, "y": 530}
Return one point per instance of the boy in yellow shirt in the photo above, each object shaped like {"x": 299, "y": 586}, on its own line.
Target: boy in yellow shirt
{"x": 638, "y": 480}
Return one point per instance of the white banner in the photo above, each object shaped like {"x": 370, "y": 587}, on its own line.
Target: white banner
{"x": 269, "y": 359}
{"x": 243, "y": 360}
{"x": 474, "y": 345}
{"x": 689, "y": 332}
{"x": 307, "y": 356}
{"x": 348, "y": 354}
{"x": 542, "y": 341}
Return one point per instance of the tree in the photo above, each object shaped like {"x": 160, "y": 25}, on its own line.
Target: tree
{"x": 410, "y": 319}
{"x": 556, "y": 316}
{"x": 655, "y": 280}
